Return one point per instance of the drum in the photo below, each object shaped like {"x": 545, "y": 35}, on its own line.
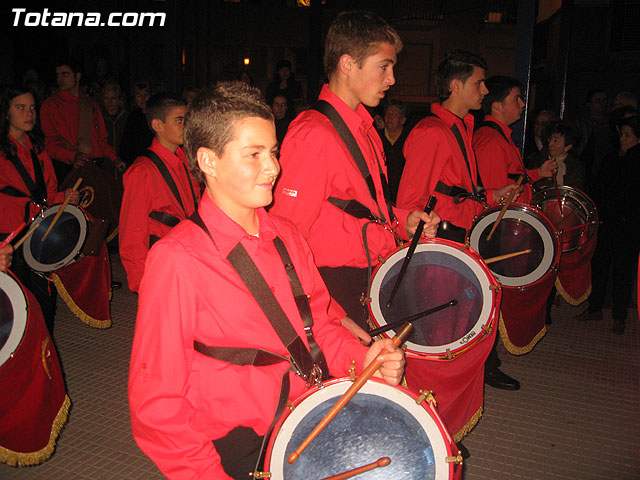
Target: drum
{"x": 577, "y": 221}
{"x": 439, "y": 271}
{"x": 13, "y": 316}
{"x": 379, "y": 421}
{"x": 64, "y": 242}
{"x": 575, "y": 215}
{"x": 36, "y": 405}
{"x": 527, "y": 279}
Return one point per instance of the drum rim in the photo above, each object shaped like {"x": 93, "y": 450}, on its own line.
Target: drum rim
{"x": 16, "y": 294}
{"x": 484, "y": 220}
{"x": 276, "y": 448}
{"x": 592, "y": 212}
{"x": 488, "y": 285}
{"x": 42, "y": 267}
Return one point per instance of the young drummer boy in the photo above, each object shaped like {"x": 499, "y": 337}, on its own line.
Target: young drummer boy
{"x": 183, "y": 392}
{"x": 159, "y": 191}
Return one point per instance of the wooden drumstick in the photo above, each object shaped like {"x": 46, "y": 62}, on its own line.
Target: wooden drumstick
{"x": 504, "y": 207}
{"x": 381, "y": 462}
{"x": 555, "y": 185}
{"x": 349, "y": 394}
{"x": 12, "y": 235}
{"x": 506, "y": 255}
{"x": 26, "y": 235}
{"x": 59, "y": 212}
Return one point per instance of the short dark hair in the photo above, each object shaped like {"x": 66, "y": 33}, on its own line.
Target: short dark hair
{"x": 213, "y": 114}
{"x": 159, "y": 106}
{"x": 358, "y": 34}
{"x": 70, "y": 62}
{"x": 499, "y": 87}
{"x": 457, "y": 64}
{"x": 563, "y": 128}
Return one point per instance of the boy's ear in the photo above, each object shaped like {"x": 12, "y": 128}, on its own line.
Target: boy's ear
{"x": 207, "y": 161}
{"x": 157, "y": 125}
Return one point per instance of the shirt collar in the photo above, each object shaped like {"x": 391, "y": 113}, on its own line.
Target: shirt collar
{"x": 507, "y": 131}
{"x": 450, "y": 118}
{"x": 355, "y": 120}
{"x": 19, "y": 146}
{"x": 173, "y": 159}
{"x": 226, "y": 233}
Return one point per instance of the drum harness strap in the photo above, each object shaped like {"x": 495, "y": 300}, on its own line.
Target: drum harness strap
{"x": 459, "y": 194}
{"x": 511, "y": 176}
{"x": 164, "y": 217}
{"x": 353, "y": 207}
{"x": 37, "y": 189}
{"x": 310, "y": 364}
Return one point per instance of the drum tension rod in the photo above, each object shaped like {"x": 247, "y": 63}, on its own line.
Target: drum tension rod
{"x": 261, "y": 474}
{"x": 428, "y": 396}
{"x": 456, "y": 459}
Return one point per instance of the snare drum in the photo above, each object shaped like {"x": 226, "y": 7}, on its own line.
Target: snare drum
{"x": 64, "y": 242}
{"x": 526, "y": 279}
{"x": 36, "y": 408}
{"x": 578, "y": 226}
{"x": 379, "y": 421}
{"x": 447, "y": 350}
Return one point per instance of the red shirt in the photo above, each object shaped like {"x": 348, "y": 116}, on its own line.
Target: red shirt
{"x": 146, "y": 191}
{"x": 433, "y": 155}
{"x": 59, "y": 116}
{"x": 498, "y": 157}
{"x": 317, "y": 165}
{"x": 13, "y": 208}
{"x": 181, "y": 400}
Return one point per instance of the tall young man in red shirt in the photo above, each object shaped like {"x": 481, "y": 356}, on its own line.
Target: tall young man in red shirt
{"x": 499, "y": 160}
{"x": 159, "y": 190}
{"x": 321, "y": 180}
{"x": 183, "y": 391}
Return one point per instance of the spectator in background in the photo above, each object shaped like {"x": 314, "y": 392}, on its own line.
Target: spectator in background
{"x": 244, "y": 77}
{"x": 137, "y": 135}
{"x": 188, "y": 92}
{"x": 533, "y": 143}
{"x": 281, "y": 115}
{"x": 31, "y": 81}
{"x": 114, "y": 114}
{"x": 625, "y": 99}
{"x": 393, "y": 136}
{"x": 560, "y": 140}
{"x": 284, "y": 83}
{"x": 101, "y": 78}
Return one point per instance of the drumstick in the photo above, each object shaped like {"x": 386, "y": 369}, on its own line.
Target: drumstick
{"x": 381, "y": 462}
{"x": 411, "y": 318}
{"x": 582, "y": 225}
{"x": 349, "y": 394}
{"x": 12, "y": 235}
{"x": 26, "y": 235}
{"x": 61, "y": 210}
{"x": 555, "y": 185}
{"x": 506, "y": 255}
{"x": 504, "y": 207}
{"x": 431, "y": 203}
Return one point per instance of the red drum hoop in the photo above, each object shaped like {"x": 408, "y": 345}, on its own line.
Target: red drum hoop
{"x": 522, "y": 227}
{"x": 63, "y": 244}
{"x": 380, "y": 421}
{"x": 575, "y": 215}
{"x": 13, "y": 316}
{"x": 440, "y": 271}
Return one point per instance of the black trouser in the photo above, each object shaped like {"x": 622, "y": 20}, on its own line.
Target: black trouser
{"x": 239, "y": 451}
{"x": 346, "y": 285}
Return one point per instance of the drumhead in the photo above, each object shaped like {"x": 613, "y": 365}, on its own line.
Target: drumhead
{"x": 577, "y": 209}
{"x": 13, "y": 316}
{"x": 63, "y": 243}
{"x": 439, "y": 272}
{"x": 522, "y": 227}
{"x": 379, "y": 421}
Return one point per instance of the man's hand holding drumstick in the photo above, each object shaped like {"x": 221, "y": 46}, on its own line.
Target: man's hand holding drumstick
{"x": 392, "y": 359}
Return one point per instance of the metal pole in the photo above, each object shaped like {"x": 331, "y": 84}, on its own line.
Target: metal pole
{"x": 522, "y": 68}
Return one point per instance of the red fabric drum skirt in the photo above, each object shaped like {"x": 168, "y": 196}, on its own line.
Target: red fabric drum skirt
{"x": 447, "y": 350}
{"x": 34, "y": 403}
{"x": 576, "y": 217}
{"x": 379, "y": 421}
{"x": 526, "y": 279}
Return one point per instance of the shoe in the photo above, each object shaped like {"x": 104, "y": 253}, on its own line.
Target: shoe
{"x": 588, "y": 316}
{"x": 618, "y": 327}
{"x": 496, "y": 378}
{"x": 464, "y": 453}
{"x": 115, "y": 285}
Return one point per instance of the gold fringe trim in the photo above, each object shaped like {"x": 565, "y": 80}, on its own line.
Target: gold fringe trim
{"x": 515, "y": 350}
{"x": 75, "y": 309}
{"x": 568, "y": 298}
{"x": 21, "y": 459}
{"x": 113, "y": 235}
{"x": 469, "y": 426}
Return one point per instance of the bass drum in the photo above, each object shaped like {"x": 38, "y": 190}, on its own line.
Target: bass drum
{"x": 13, "y": 316}
{"x": 379, "y": 421}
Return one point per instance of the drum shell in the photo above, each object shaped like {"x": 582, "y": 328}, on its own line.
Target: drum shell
{"x": 437, "y": 434}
